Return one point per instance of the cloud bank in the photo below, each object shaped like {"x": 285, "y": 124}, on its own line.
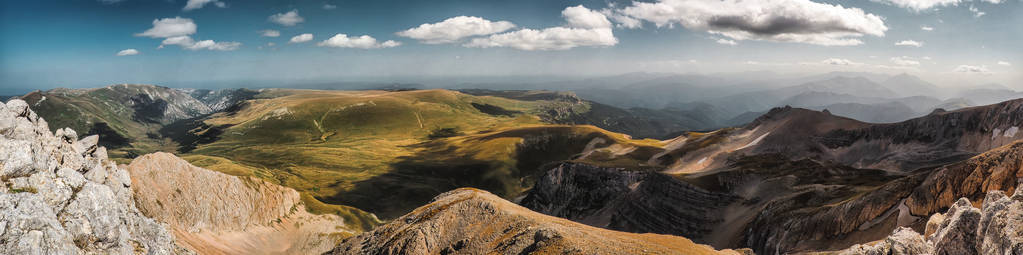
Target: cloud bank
{"x": 584, "y": 27}
{"x": 453, "y": 29}
{"x": 797, "y": 21}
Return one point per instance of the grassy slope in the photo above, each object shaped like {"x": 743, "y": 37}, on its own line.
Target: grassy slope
{"x": 372, "y": 149}
{"x": 81, "y": 109}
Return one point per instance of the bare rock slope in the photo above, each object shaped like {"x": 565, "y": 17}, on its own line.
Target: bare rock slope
{"x": 214, "y": 213}
{"x": 470, "y": 221}
{"x": 61, "y": 195}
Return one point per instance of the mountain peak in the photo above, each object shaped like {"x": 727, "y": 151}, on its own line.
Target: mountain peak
{"x": 472, "y": 221}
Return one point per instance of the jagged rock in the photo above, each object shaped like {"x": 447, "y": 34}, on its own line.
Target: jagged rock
{"x": 28, "y": 226}
{"x": 471, "y": 221}
{"x": 903, "y": 241}
{"x": 933, "y": 223}
{"x": 957, "y": 233}
{"x": 49, "y": 207}
{"x": 996, "y": 228}
{"x": 1001, "y": 224}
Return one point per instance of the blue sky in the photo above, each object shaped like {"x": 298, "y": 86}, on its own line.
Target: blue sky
{"x": 75, "y": 43}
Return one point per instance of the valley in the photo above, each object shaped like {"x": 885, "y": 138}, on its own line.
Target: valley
{"x": 363, "y": 159}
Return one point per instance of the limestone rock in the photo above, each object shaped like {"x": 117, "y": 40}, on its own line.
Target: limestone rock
{"x": 50, "y": 207}
{"x": 957, "y": 233}
{"x": 996, "y": 228}
{"x": 903, "y": 241}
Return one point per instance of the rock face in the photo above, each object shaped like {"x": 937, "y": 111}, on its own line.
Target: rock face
{"x": 642, "y": 202}
{"x": 61, "y": 195}
{"x": 214, "y": 213}
{"x": 996, "y": 228}
{"x": 470, "y": 221}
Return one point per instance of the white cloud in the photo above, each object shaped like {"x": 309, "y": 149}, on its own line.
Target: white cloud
{"x": 839, "y": 62}
{"x": 453, "y": 29}
{"x": 361, "y": 42}
{"x": 976, "y": 12}
{"x": 197, "y": 4}
{"x": 170, "y": 27}
{"x": 799, "y": 21}
{"x": 971, "y": 69}
{"x": 329, "y": 6}
{"x": 585, "y": 28}
{"x": 622, "y": 20}
{"x": 270, "y": 33}
{"x": 920, "y": 5}
{"x": 290, "y": 18}
{"x": 301, "y": 38}
{"x": 905, "y": 61}
{"x": 926, "y": 28}
{"x": 186, "y": 42}
{"x": 1004, "y": 63}
{"x": 128, "y": 52}
{"x": 726, "y": 41}
{"x": 926, "y": 58}
{"x": 581, "y": 17}
{"x": 909, "y": 43}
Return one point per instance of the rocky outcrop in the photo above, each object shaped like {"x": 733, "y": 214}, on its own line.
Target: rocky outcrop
{"x": 214, "y": 213}
{"x": 470, "y": 221}
{"x": 995, "y": 228}
{"x": 61, "y": 195}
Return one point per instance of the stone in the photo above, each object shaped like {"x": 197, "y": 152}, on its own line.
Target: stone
{"x": 72, "y": 178}
{"x": 48, "y": 206}
{"x": 902, "y": 241}
{"x": 957, "y": 233}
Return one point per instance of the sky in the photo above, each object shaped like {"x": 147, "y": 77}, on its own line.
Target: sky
{"x": 196, "y": 43}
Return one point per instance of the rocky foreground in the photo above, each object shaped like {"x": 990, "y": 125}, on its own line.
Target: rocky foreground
{"x": 995, "y": 228}
{"x": 471, "y": 221}
{"x": 61, "y": 195}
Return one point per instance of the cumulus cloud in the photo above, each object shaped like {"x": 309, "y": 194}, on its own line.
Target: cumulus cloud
{"x": 128, "y": 52}
{"x": 197, "y": 4}
{"x": 971, "y": 69}
{"x": 839, "y": 62}
{"x": 186, "y": 42}
{"x": 584, "y": 27}
{"x": 726, "y": 42}
{"x": 170, "y": 27}
{"x": 270, "y": 33}
{"x": 904, "y": 61}
{"x": 290, "y": 18}
{"x": 909, "y": 43}
{"x": 1004, "y": 63}
{"x": 926, "y": 28}
{"x": 453, "y": 29}
{"x": 301, "y": 38}
{"x": 360, "y": 42}
{"x": 799, "y": 21}
{"x": 329, "y": 6}
{"x": 581, "y": 17}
